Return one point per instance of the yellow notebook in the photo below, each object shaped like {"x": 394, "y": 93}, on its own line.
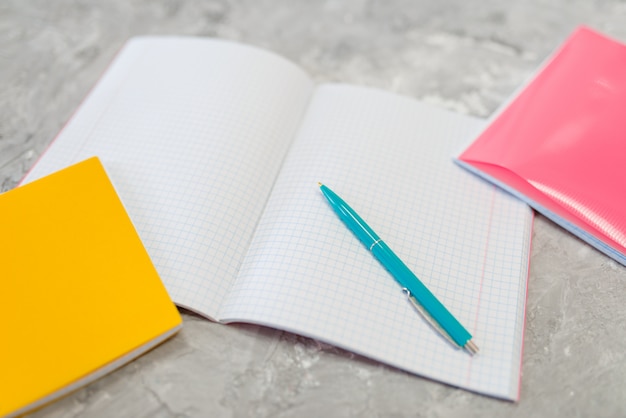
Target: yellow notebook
{"x": 79, "y": 295}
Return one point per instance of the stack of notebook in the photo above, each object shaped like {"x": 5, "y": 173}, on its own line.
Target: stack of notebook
{"x": 79, "y": 295}
{"x": 560, "y": 146}
{"x": 218, "y": 168}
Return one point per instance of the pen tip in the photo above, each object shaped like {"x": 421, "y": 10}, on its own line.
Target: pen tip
{"x": 319, "y": 184}
{"x": 471, "y": 347}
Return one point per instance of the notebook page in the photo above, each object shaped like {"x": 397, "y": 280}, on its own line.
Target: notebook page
{"x": 390, "y": 158}
{"x": 192, "y": 132}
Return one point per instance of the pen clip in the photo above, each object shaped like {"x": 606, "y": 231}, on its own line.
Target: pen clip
{"x": 419, "y": 308}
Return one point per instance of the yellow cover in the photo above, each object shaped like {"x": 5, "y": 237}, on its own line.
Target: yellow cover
{"x": 79, "y": 295}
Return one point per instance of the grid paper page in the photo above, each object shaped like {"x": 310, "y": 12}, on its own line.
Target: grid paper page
{"x": 390, "y": 158}
{"x": 192, "y": 132}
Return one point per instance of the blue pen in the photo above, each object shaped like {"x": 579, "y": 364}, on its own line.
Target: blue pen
{"x": 420, "y": 297}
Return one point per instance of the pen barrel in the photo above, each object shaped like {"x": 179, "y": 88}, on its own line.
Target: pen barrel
{"x": 407, "y": 279}
{"x": 353, "y": 221}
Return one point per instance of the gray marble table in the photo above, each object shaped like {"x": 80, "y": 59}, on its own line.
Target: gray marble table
{"x": 465, "y": 56}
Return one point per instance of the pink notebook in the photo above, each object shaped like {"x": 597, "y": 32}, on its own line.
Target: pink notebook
{"x": 560, "y": 144}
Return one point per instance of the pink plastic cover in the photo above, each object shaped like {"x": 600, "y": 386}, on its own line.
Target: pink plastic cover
{"x": 560, "y": 144}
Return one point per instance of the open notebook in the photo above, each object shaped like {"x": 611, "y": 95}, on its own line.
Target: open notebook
{"x": 560, "y": 143}
{"x": 216, "y": 149}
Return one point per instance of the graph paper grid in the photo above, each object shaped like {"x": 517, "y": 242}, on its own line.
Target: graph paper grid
{"x": 198, "y": 134}
{"x": 192, "y": 140}
{"x": 390, "y": 158}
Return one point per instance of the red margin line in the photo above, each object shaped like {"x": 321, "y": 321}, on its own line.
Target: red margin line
{"x": 482, "y": 276}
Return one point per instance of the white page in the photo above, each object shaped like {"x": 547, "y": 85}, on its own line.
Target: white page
{"x": 390, "y": 158}
{"x": 192, "y": 132}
